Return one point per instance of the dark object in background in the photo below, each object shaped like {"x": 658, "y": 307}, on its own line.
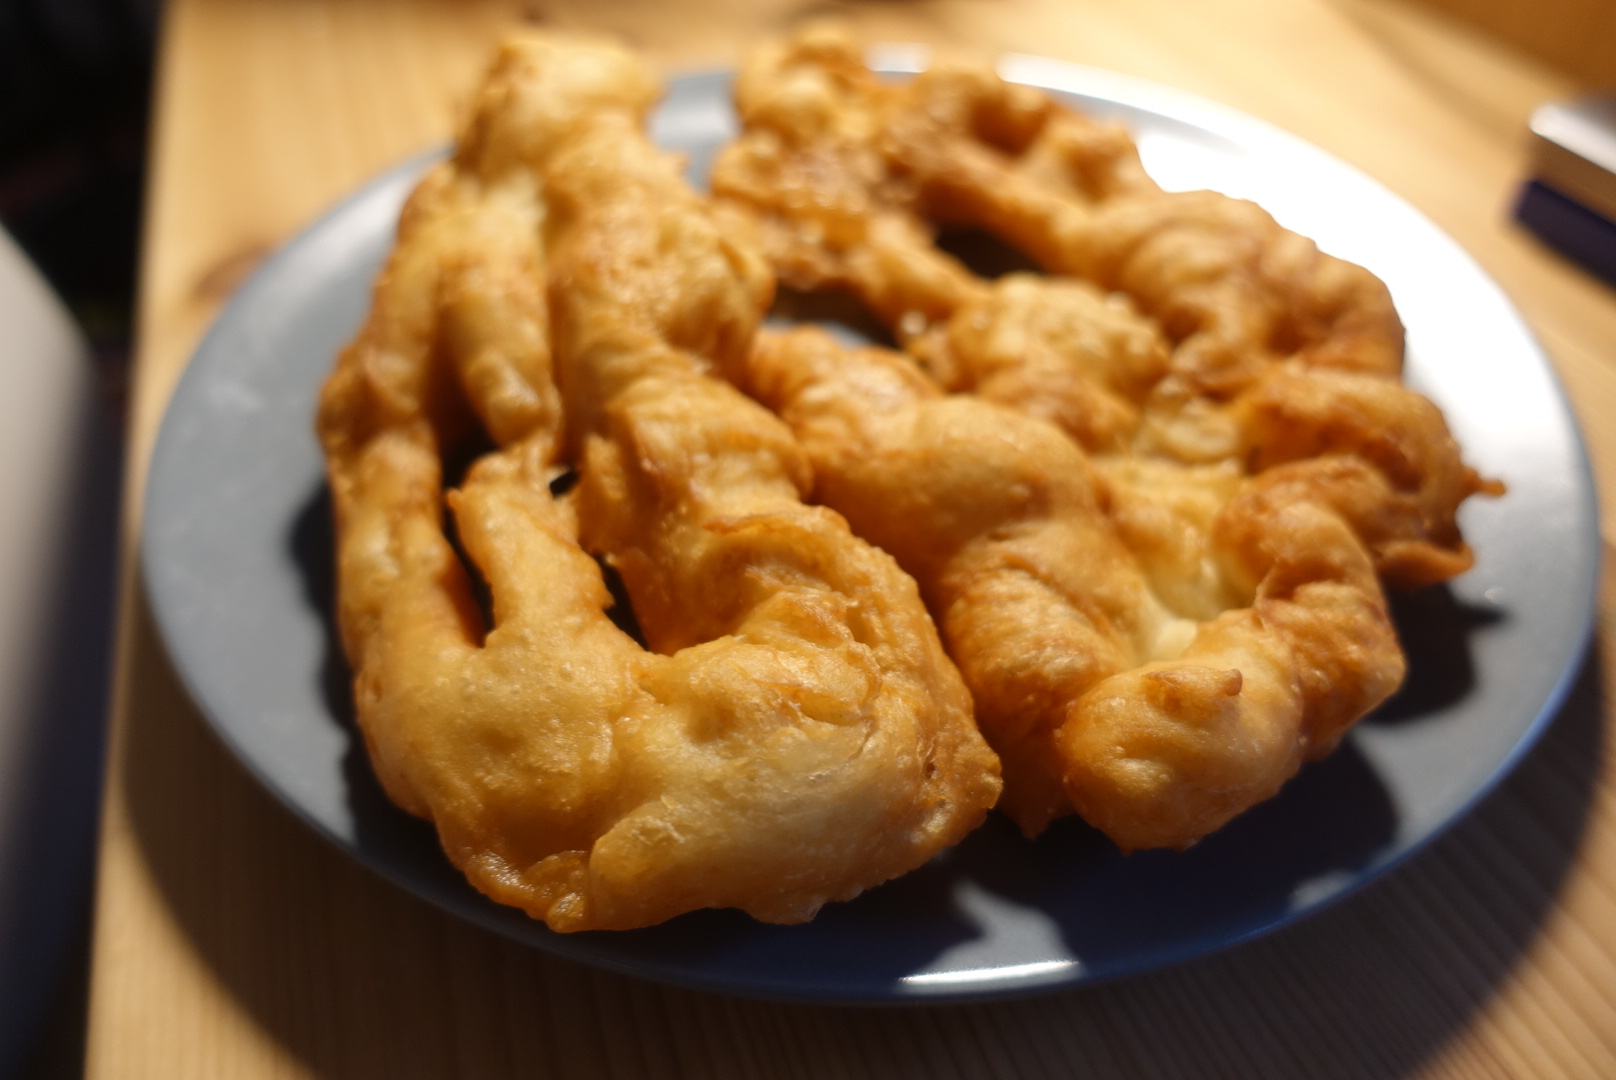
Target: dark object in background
{"x": 1569, "y": 227}
{"x": 58, "y": 574}
{"x": 75, "y": 84}
{"x": 1571, "y": 201}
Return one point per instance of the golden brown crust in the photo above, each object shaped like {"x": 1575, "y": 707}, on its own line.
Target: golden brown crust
{"x": 1160, "y": 634}
{"x": 1056, "y": 348}
{"x": 798, "y": 734}
{"x": 1378, "y": 452}
{"x": 850, "y": 177}
{"x": 1156, "y": 635}
{"x": 1157, "y": 721}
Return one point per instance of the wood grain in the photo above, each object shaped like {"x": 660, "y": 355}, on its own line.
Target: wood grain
{"x": 1577, "y": 36}
{"x": 232, "y": 943}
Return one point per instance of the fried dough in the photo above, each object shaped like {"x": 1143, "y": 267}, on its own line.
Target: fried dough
{"x": 850, "y": 177}
{"x": 1161, "y": 614}
{"x": 1158, "y": 722}
{"x": 795, "y": 733}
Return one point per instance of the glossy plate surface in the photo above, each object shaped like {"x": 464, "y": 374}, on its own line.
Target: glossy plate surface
{"x": 237, "y": 558}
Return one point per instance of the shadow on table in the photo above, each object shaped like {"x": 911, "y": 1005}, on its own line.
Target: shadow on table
{"x": 356, "y": 978}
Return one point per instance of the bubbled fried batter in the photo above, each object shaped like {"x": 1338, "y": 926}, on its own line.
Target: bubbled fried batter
{"x": 850, "y": 177}
{"x": 1157, "y": 721}
{"x": 1056, "y": 348}
{"x": 795, "y": 734}
{"x": 1153, "y": 518}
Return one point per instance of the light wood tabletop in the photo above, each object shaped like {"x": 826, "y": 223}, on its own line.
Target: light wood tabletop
{"x": 232, "y": 942}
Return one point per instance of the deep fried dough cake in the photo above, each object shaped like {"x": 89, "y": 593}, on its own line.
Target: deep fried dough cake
{"x": 1158, "y": 713}
{"x": 1163, "y": 614}
{"x": 849, "y": 178}
{"x": 795, "y": 734}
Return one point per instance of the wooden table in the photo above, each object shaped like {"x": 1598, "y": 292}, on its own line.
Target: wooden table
{"x": 231, "y": 942}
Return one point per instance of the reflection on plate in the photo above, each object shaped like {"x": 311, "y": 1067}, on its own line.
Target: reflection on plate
{"x": 237, "y": 560}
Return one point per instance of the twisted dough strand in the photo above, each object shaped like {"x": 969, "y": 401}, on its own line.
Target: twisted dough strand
{"x": 798, "y": 735}
{"x": 849, "y": 178}
{"x": 1157, "y": 728}
{"x": 1159, "y": 634}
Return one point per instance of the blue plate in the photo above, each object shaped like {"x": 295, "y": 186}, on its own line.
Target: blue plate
{"x": 237, "y": 559}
